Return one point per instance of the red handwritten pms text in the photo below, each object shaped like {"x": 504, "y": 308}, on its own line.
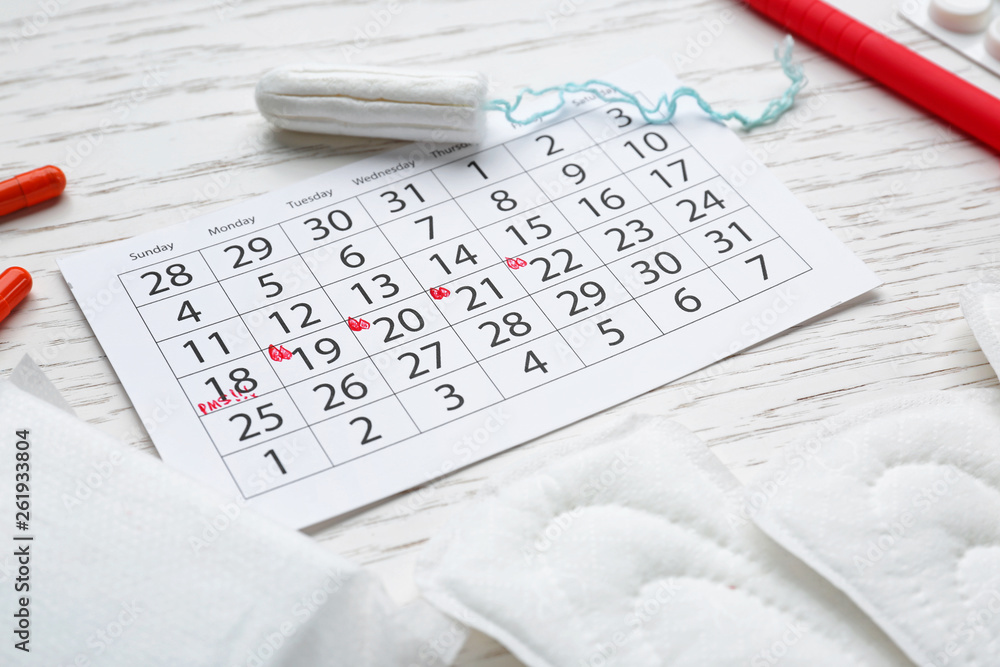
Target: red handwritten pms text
{"x": 223, "y": 401}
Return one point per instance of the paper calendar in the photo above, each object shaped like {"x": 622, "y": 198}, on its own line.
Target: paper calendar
{"x": 375, "y": 327}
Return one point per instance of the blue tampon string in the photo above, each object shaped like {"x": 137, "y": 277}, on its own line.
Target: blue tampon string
{"x": 665, "y": 108}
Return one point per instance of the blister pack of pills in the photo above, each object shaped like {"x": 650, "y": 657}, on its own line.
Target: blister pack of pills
{"x": 971, "y": 27}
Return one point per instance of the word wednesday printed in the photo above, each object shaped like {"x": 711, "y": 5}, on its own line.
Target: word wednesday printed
{"x": 355, "y": 335}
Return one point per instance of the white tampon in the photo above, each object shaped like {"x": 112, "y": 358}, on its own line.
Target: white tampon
{"x": 375, "y": 102}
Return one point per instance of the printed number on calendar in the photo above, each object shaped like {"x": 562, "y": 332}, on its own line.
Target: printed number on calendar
{"x": 369, "y": 436}
{"x": 462, "y": 255}
{"x": 388, "y": 289}
{"x": 608, "y": 202}
{"x": 665, "y": 261}
{"x": 652, "y": 142}
{"x": 259, "y": 248}
{"x": 550, "y": 143}
{"x": 240, "y": 377}
{"x": 335, "y": 221}
{"x": 417, "y": 371}
{"x": 307, "y": 317}
{"x": 638, "y": 232}
{"x": 399, "y": 201}
{"x": 474, "y": 302}
{"x": 681, "y": 168}
{"x": 539, "y": 230}
{"x": 273, "y": 419}
{"x": 326, "y": 348}
{"x": 548, "y": 273}
{"x": 408, "y": 319}
{"x": 589, "y": 290}
{"x": 351, "y": 389}
{"x": 514, "y": 325}
{"x": 719, "y": 237}
{"x": 617, "y": 335}
{"x": 212, "y": 336}
{"x": 176, "y": 276}
{"x": 618, "y": 115}
{"x": 448, "y": 393}
{"x": 708, "y": 201}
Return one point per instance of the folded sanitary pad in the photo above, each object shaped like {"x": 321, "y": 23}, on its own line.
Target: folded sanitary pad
{"x": 632, "y": 551}
{"x": 981, "y": 307}
{"x": 121, "y": 561}
{"x": 898, "y": 505}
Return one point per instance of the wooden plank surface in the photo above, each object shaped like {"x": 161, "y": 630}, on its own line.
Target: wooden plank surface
{"x": 148, "y": 107}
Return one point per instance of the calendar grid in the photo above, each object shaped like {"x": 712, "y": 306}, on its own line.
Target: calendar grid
{"x": 689, "y": 186}
{"x": 556, "y": 379}
{"x": 680, "y": 234}
{"x": 597, "y": 145}
{"x": 341, "y": 315}
{"x": 363, "y": 232}
{"x": 792, "y": 248}
{"x": 583, "y": 240}
{"x": 207, "y": 434}
{"x": 417, "y": 293}
{"x": 283, "y": 390}
{"x": 403, "y": 262}
{"x": 373, "y": 189}
{"x": 276, "y": 487}
{"x": 479, "y": 362}
{"x": 429, "y": 335}
{"x": 343, "y": 319}
{"x": 530, "y": 295}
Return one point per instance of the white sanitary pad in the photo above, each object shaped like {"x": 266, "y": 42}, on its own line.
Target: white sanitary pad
{"x": 898, "y": 505}
{"x": 631, "y": 551}
{"x": 981, "y": 307}
{"x": 132, "y": 565}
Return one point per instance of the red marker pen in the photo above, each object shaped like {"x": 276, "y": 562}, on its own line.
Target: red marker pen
{"x": 31, "y": 188}
{"x": 893, "y": 65}
{"x": 15, "y": 283}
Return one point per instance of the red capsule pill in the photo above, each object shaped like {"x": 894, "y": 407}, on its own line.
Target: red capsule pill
{"x": 31, "y": 188}
{"x": 15, "y": 283}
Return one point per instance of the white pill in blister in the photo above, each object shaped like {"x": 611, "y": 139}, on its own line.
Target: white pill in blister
{"x": 962, "y": 15}
{"x": 375, "y": 102}
{"x": 992, "y": 42}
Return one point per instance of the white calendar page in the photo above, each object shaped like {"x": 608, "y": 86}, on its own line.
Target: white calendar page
{"x": 346, "y": 338}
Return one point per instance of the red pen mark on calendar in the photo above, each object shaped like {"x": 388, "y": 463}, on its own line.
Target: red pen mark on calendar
{"x": 279, "y": 353}
{"x": 357, "y": 324}
{"x": 440, "y": 292}
{"x": 515, "y": 263}
{"x": 222, "y": 401}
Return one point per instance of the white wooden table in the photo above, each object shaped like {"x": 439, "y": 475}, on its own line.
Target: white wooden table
{"x": 148, "y": 107}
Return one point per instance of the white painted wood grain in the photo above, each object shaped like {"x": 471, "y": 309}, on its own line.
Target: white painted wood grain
{"x": 148, "y": 106}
